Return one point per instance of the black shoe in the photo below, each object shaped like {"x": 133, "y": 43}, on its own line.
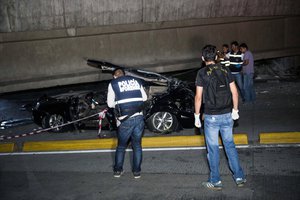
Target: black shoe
{"x": 137, "y": 174}
{"x": 118, "y": 174}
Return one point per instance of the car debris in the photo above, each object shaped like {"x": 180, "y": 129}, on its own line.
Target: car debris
{"x": 170, "y": 104}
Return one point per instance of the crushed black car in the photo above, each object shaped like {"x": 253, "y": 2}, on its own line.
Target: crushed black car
{"x": 170, "y": 104}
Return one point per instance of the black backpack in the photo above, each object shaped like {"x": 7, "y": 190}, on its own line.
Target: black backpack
{"x": 218, "y": 95}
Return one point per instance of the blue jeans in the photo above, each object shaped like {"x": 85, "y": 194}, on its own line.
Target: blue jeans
{"x": 239, "y": 83}
{"x": 248, "y": 88}
{"x": 212, "y": 125}
{"x": 130, "y": 130}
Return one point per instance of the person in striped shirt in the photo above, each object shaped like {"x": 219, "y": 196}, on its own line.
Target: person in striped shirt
{"x": 223, "y": 56}
{"x": 236, "y": 61}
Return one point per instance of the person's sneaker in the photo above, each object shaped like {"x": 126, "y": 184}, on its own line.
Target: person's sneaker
{"x": 137, "y": 174}
{"x": 118, "y": 174}
{"x": 213, "y": 186}
{"x": 240, "y": 182}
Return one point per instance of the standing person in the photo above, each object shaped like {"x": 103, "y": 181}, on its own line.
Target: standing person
{"x": 236, "y": 61}
{"x": 215, "y": 83}
{"x": 224, "y": 55}
{"x": 126, "y": 95}
{"x": 225, "y": 50}
{"x": 248, "y": 73}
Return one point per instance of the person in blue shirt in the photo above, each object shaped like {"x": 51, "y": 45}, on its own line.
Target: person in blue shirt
{"x": 248, "y": 74}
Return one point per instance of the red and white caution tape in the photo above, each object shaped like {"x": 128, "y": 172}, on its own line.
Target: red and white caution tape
{"x": 35, "y": 132}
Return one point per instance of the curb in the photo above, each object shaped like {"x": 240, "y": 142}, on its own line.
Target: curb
{"x": 65, "y": 145}
{"x": 7, "y": 147}
{"x": 147, "y": 142}
{"x": 279, "y": 138}
{"x": 111, "y": 143}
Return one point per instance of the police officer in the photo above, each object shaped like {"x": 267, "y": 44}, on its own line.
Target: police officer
{"x": 126, "y": 94}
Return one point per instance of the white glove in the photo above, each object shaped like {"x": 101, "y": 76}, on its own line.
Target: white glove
{"x": 118, "y": 122}
{"x": 197, "y": 120}
{"x": 235, "y": 114}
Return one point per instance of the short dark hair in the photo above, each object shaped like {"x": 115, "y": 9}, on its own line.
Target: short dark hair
{"x": 244, "y": 45}
{"x": 235, "y": 43}
{"x": 209, "y": 53}
{"x": 118, "y": 72}
{"x": 225, "y": 45}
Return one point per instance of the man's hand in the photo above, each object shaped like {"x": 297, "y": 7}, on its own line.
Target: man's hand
{"x": 235, "y": 114}
{"x": 197, "y": 120}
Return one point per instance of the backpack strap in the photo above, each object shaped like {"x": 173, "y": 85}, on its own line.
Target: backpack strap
{"x": 213, "y": 71}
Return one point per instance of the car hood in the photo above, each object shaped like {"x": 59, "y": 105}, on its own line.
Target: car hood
{"x": 65, "y": 95}
{"x": 145, "y": 75}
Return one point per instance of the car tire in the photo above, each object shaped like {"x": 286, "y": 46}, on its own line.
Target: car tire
{"x": 83, "y": 107}
{"x": 52, "y": 120}
{"x": 162, "y": 122}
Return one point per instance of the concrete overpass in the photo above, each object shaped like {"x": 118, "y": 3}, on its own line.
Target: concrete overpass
{"x": 43, "y": 43}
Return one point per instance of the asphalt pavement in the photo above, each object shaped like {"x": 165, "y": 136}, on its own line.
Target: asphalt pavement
{"x": 271, "y": 172}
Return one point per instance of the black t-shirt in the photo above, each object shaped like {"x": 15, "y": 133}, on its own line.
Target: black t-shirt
{"x": 202, "y": 80}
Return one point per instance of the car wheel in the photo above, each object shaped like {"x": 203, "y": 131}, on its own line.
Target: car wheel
{"x": 162, "y": 122}
{"x": 83, "y": 108}
{"x": 53, "y": 120}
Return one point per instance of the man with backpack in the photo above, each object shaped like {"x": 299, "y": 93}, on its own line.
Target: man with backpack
{"x": 216, "y": 87}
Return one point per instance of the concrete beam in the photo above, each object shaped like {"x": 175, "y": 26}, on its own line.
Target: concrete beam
{"x": 37, "y": 15}
{"x": 44, "y": 59}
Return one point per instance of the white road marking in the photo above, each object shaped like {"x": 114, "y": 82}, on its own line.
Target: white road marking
{"x": 146, "y": 149}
